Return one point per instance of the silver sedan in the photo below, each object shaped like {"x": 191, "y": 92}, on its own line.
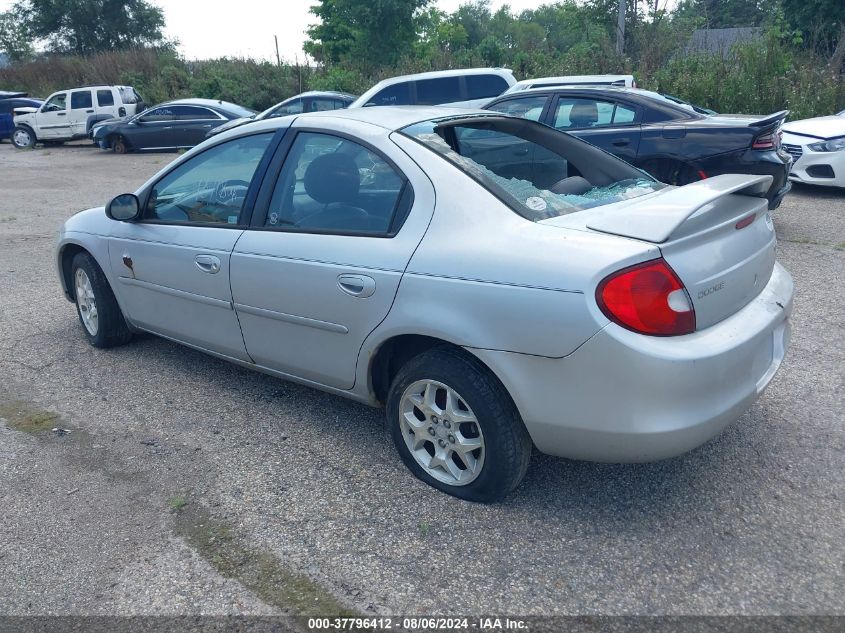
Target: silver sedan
{"x": 493, "y": 283}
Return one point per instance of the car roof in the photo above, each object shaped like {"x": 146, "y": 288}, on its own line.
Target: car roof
{"x": 434, "y": 74}
{"x": 394, "y": 117}
{"x": 390, "y": 118}
{"x": 321, "y": 93}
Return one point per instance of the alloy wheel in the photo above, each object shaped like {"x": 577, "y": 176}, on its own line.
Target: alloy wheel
{"x": 441, "y": 432}
{"x": 87, "y": 303}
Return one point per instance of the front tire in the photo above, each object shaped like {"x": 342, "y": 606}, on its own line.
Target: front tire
{"x": 118, "y": 144}
{"x": 456, "y": 428}
{"x": 23, "y": 138}
{"x": 100, "y": 315}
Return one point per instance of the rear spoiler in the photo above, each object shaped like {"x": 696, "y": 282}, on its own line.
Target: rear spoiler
{"x": 777, "y": 117}
{"x": 655, "y": 218}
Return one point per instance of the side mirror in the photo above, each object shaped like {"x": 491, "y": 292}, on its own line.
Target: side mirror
{"x": 124, "y": 208}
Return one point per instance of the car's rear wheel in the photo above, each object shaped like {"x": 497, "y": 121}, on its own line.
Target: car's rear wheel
{"x": 118, "y": 144}
{"x": 100, "y": 315}
{"x": 23, "y": 138}
{"x": 455, "y": 426}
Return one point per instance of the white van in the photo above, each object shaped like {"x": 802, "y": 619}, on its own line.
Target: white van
{"x": 626, "y": 81}
{"x": 70, "y": 114}
{"x": 469, "y": 87}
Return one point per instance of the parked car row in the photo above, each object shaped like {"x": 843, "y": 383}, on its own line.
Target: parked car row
{"x": 671, "y": 139}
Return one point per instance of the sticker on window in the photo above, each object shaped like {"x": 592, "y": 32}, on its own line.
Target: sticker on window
{"x": 535, "y": 203}
{"x": 233, "y": 219}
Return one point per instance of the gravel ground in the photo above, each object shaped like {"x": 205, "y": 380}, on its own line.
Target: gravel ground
{"x": 191, "y": 486}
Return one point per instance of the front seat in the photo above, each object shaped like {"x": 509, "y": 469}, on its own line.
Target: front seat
{"x": 584, "y": 114}
{"x": 333, "y": 180}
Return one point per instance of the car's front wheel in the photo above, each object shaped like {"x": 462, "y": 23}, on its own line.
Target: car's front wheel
{"x": 100, "y": 315}
{"x": 456, "y": 427}
{"x": 118, "y": 144}
{"x": 23, "y": 138}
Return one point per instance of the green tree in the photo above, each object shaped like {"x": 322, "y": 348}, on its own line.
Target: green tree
{"x": 91, "y": 26}
{"x": 371, "y": 34}
{"x": 15, "y": 40}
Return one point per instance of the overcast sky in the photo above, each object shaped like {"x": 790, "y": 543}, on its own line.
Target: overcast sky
{"x": 217, "y": 28}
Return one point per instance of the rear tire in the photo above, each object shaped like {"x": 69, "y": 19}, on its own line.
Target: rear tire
{"x": 118, "y": 144}
{"x": 455, "y": 426}
{"x": 100, "y": 315}
{"x": 23, "y": 138}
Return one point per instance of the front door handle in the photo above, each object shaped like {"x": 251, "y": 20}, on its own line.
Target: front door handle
{"x": 621, "y": 142}
{"x": 357, "y": 285}
{"x": 208, "y": 263}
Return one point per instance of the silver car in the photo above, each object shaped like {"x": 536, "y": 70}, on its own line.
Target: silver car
{"x": 494, "y": 283}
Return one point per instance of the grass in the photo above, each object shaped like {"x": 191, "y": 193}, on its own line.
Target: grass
{"x": 840, "y": 246}
{"x": 177, "y": 502}
{"x": 11, "y": 218}
{"x": 20, "y": 416}
{"x": 425, "y": 528}
{"x": 275, "y": 582}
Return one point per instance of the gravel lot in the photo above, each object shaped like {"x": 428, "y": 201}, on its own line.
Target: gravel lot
{"x": 191, "y": 486}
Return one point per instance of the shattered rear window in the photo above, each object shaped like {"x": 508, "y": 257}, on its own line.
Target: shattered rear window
{"x": 525, "y": 174}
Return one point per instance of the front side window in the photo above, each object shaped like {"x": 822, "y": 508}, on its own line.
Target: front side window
{"x": 158, "y": 114}
{"x": 525, "y": 108}
{"x": 105, "y": 98}
{"x": 537, "y": 171}
{"x": 211, "y": 187}
{"x": 437, "y": 91}
{"x": 56, "y": 103}
{"x": 318, "y": 104}
{"x": 294, "y": 107}
{"x": 397, "y": 94}
{"x": 331, "y": 184}
{"x": 80, "y": 100}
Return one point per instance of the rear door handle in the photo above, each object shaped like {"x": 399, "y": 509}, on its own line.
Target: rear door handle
{"x": 360, "y": 286}
{"x": 89, "y": 112}
{"x": 208, "y": 263}
{"x": 621, "y": 142}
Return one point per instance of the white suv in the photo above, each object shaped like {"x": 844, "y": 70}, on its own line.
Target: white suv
{"x": 70, "y": 114}
{"x": 468, "y": 88}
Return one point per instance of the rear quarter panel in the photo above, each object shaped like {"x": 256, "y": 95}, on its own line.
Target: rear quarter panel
{"x": 484, "y": 277}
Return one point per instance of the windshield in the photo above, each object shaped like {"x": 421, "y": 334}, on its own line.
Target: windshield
{"x": 538, "y": 171}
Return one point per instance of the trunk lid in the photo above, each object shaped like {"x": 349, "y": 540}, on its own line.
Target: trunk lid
{"x": 716, "y": 234}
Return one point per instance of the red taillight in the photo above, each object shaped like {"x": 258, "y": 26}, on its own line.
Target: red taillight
{"x": 647, "y": 298}
{"x": 769, "y": 140}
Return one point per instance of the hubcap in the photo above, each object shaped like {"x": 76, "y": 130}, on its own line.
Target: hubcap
{"x": 442, "y": 432}
{"x": 21, "y": 137}
{"x": 86, "y": 302}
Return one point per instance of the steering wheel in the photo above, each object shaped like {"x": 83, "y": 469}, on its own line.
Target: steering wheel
{"x": 228, "y": 190}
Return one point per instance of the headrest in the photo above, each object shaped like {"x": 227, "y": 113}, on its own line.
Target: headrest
{"x": 332, "y": 178}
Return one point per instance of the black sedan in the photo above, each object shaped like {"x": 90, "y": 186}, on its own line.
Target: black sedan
{"x": 661, "y": 135}
{"x": 312, "y": 101}
{"x": 172, "y": 125}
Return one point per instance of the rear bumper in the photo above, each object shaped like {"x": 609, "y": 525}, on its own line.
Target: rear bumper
{"x": 624, "y": 397}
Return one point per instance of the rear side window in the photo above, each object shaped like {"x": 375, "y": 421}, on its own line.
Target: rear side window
{"x": 128, "y": 95}
{"x": 211, "y": 187}
{"x": 525, "y": 108}
{"x": 484, "y": 86}
{"x": 80, "y": 100}
{"x": 397, "y": 94}
{"x": 105, "y": 98}
{"x": 330, "y": 184}
{"x": 193, "y": 113}
{"x": 159, "y": 114}
{"x": 589, "y": 113}
{"x": 437, "y": 91}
